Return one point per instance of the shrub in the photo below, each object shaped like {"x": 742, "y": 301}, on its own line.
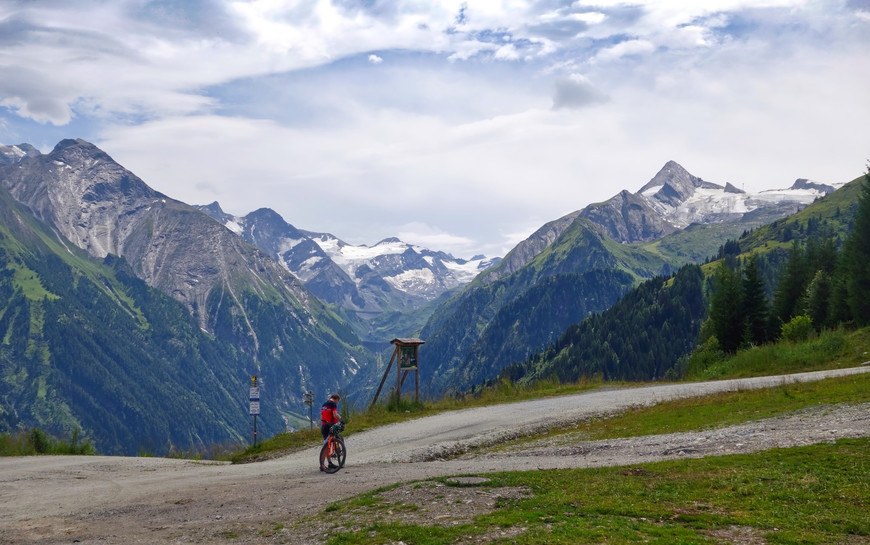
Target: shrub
{"x": 797, "y": 329}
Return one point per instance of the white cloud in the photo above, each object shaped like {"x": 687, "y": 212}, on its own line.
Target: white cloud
{"x": 486, "y": 120}
{"x": 576, "y": 91}
{"x": 622, "y": 49}
{"x": 507, "y": 52}
{"x": 432, "y": 237}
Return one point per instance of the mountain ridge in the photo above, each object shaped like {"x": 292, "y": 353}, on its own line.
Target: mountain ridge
{"x": 233, "y": 290}
{"x": 367, "y": 282}
{"x": 635, "y": 224}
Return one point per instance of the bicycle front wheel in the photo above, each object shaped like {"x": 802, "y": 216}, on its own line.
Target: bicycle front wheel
{"x": 332, "y": 456}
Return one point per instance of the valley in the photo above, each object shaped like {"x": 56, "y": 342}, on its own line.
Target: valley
{"x": 124, "y": 307}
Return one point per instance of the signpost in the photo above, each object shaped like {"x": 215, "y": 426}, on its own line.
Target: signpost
{"x": 308, "y": 399}
{"x": 254, "y": 398}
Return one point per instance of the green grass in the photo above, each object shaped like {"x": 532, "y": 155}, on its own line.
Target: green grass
{"x": 828, "y": 350}
{"x": 723, "y": 409}
{"x": 815, "y": 494}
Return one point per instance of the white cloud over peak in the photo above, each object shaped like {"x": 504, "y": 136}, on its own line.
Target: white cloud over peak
{"x": 485, "y": 115}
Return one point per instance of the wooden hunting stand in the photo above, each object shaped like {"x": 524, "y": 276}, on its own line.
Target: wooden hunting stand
{"x": 406, "y": 355}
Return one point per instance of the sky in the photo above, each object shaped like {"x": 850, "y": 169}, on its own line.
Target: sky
{"x": 462, "y": 126}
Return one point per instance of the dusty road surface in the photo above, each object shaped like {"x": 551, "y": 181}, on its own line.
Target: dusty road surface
{"x": 116, "y": 500}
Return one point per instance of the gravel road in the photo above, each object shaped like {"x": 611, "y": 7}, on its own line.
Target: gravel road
{"x": 108, "y": 500}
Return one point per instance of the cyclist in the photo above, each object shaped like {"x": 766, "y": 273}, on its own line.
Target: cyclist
{"x": 329, "y": 415}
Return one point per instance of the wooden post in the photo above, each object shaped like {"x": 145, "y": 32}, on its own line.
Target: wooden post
{"x": 407, "y": 360}
{"x": 398, "y": 374}
{"x": 386, "y": 372}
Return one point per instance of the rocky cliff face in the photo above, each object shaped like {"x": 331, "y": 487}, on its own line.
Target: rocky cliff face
{"x": 105, "y": 209}
{"x": 231, "y": 288}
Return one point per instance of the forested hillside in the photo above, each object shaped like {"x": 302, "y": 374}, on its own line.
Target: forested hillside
{"x": 487, "y": 327}
{"x": 821, "y": 281}
{"x": 638, "y": 338}
{"x": 87, "y": 346}
{"x": 806, "y": 272}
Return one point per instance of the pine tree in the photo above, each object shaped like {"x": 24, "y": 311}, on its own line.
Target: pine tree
{"x": 857, "y": 259}
{"x": 792, "y": 285}
{"x": 838, "y": 304}
{"x": 726, "y": 309}
{"x": 755, "y": 309}
{"x": 817, "y": 299}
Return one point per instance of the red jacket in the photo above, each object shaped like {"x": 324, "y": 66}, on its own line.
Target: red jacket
{"x": 329, "y": 413}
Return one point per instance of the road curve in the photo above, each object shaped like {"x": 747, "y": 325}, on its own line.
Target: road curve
{"x": 51, "y": 499}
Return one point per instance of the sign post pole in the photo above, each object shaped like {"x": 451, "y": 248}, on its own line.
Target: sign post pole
{"x": 254, "y": 398}
{"x": 308, "y": 399}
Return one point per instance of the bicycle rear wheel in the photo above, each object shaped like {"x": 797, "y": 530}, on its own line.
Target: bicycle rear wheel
{"x": 330, "y": 462}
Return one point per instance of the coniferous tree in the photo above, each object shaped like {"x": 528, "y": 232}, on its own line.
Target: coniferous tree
{"x": 792, "y": 285}
{"x": 755, "y": 305}
{"x": 726, "y": 309}
{"x": 838, "y": 304}
{"x": 817, "y": 299}
{"x": 857, "y": 259}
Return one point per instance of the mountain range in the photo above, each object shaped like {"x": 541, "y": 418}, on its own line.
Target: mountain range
{"x": 301, "y": 310}
{"x": 370, "y": 285}
{"x": 232, "y": 291}
{"x": 583, "y": 262}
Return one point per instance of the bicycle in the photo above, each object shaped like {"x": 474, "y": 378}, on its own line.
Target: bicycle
{"x": 333, "y": 453}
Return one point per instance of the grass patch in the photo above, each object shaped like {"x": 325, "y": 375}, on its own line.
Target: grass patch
{"x": 278, "y": 445}
{"x": 815, "y": 494}
{"x": 730, "y": 408}
{"x": 718, "y": 410}
{"x": 827, "y": 350}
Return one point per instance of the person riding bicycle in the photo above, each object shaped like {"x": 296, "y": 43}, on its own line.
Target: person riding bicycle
{"x": 329, "y": 415}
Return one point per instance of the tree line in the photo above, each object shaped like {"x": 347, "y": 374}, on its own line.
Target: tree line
{"x": 823, "y": 284}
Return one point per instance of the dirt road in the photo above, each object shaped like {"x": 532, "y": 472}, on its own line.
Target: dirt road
{"x": 110, "y": 500}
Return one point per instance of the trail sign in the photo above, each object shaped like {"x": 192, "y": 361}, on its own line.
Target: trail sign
{"x": 254, "y": 398}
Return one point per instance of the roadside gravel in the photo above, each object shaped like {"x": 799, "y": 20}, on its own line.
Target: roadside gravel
{"x": 110, "y": 500}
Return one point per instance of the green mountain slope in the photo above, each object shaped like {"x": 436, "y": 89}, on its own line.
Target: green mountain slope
{"x": 640, "y": 337}
{"x": 86, "y": 345}
{"x": 643, "y": 336}
{"x": 830, "y": 217}
{"x": 234, "y": 292}
{"x": 489, "y": 326}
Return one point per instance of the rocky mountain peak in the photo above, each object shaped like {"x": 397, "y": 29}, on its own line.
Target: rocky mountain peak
{"x": 674, "y": 199}
{"x": 673, "y": 185}
{"x": 803, "y": 183}
{"x": 213, "y": 208}
{"x": 13, "y": 154}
